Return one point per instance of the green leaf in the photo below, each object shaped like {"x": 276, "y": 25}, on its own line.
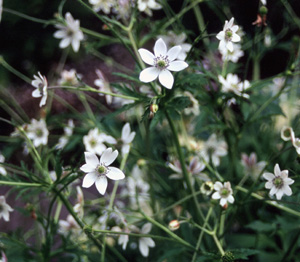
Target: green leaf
{"x": 244, "y": 253}
{"x": 260, "y": 226}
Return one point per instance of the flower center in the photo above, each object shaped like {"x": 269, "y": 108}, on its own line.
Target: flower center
{"x": 287, "y": 133}
{"x": 228, "y": 34}
{"x": 278, "y": 182}
{"x": 224, "y": 192}
{"x": 102, "y": 170}
{"x": 161, "y": 62}
{"x": 39, "y": 132}
{"x": 93, "y": 143}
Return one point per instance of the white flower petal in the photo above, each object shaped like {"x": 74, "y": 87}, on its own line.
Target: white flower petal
{"x": 269, "y": 185}
{"x": 235, "y": 38}
{"x": 91, "y": 159}
{"x": 149, "y": 242}
{"x": 223, "y": 201}
{"x": 287, "y": 190}
{"x": 147, "y": 56}
{"x": 229, "y": 46}
{"x": 160, "y": 48}
{"x": 115, "y": 173}
{"x": 65, "y": 42}
{"x": 36, "y": 93}
{"x": 149, "y": 74}
{"x": 166, "y": 79}
{"x": 75, "y": 45}
{"x": 101, "y": 184}
{"x": 279, "y": 194}
{"x": 173, "y": 53}
{"x": 177, "y": 66}
{"x": 268, "y": 176}
{"x": 108, "y": 156}
{"x": 60, "y": 34}
{"x": 217, "y": 186}
{"x": 273, "y": 190}
{"x": 216, "y": 195}
{"x": 277, "y": 170}
{"x": 230, "y": 199}
{"x": 144, "y": 249}
{"x": 146, "y": 228}
{"x": 89, "y": 179}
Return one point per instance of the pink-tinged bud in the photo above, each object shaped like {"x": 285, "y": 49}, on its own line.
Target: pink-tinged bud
{"x": 153, "y": 108}
{"x": 174, "y": 225}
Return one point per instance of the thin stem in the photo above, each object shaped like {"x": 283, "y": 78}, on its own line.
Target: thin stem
{"x": 183, "y": 165}
{"x": 91, "y": 89}
{"x": 218, "y": 244}
{"x": 14, "y": 71}
{"x": 33, "y": 19}
{"x": 168, "y": 231}
{"x": 11, "y": 183}
{"x": 200, "y": 22}
{"x": 201, "y": 234}
{"x": 272, "y": 203}
{"x": 221, "y": 226}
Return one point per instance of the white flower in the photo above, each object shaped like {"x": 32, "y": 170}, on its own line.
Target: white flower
{"x": 278, "y": 84}
{"x": 194, "y": 168}
{"x": 267, "y": 40}
{"x": 69, "y": 77}
{"x": 78, "y": 208}
{"x": 233, "y": 84}
{"x": 103, "y": 85}
{"x": 41, "y": 85}
{"x": 251, "y": 166}
{"x": 213, "y": 149}
{"x": 161, "y": 62}
{"x": 171, "y": 39}
{"x": 4, "y": 209}
{"x": 69, "y": 33}
{"x": 193, "y": 108}
{"x": 264, "y": 2}
{"x": 223, "y": 192}
{"x": 98, "y": 171}
{"x": 94, "y": 141}
{"x": 68, "y": 131}
{"x": 37, "y": 131}
{"x": 146, "y": 242}
{"x": 68, "y": 226}
{"x": 233, "y": 55}
{"x": 2, "y": 169}
{"x": 296, "y": 144}
{"x": 228, "y": 35}
{"x": 147, "y": 5}
{"x": 104, "y": 5}
{"x": 126, "y": 138}
{"x": 278, "y": 182}
{"x": 287, "y": 133}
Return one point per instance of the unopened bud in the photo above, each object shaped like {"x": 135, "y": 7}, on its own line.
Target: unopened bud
{"x": 153, "y": 108}
{"x": 177, "y": 210}
{"x": 263, "y": 10}
{"x": 225, "y": 206}
{"x": 174, "y": 225}
{"x": 141, "y": 162}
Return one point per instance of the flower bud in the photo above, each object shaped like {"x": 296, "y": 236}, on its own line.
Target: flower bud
{"x": 141, "y": 162}
{"x": 263, "y": 10}
{"x": 174, "y": 225}
{"x": 153, "y": 108}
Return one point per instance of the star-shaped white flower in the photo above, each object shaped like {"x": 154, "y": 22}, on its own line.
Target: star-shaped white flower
{"x": 279, "y": 182}
{"x": 104, "y": 5}
{"x": 146, "y": 242}
{"x": 233, "y": 84}
{"x": 37, "y": 131}
{"x": 4, "y": 209}
{"x": 223, "y": 192}
{"x": 161, "y": 62}
{"x": 69, "y": 33}
{"x": 147, "y": 5}
{"x": 41, "y": 85}
{"x": 98, "y": 171}
{"x": 103, "y": 85}
{"x": 228, "y": 35}
{"x": 127, "y": 137}
{"x": 2, "y": 169}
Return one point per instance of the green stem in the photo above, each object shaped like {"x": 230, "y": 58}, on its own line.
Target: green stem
{"x": 201, "y": 234}
{"x": 91, "y": 89}
{"x": 256, "y": 68}
{"x": 11, "y": 183}
{"x": 33, "y": 19}
{"x": 168, "y": 231}
{"x": 201, "y": 24}
{"x": 14, "y": 71}
{"x": 221, "y": 226}
{"x": 269, "y": 202}
{"x": 183, "y": 165}
{"x": 218, "y": 244}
